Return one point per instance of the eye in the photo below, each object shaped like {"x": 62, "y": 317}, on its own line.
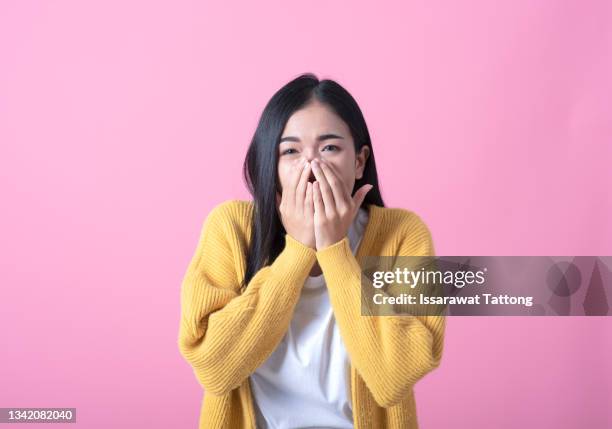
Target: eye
{"x": 335, "y": 148}
{"x": 286, "y": 151}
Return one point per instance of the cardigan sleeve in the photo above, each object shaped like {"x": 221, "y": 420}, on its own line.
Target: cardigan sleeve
{"x": 225, "y": 335}
{"x": 391, "y": 353}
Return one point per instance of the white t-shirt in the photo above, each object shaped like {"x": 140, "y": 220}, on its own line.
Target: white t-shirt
{"x": 306, "y": 380}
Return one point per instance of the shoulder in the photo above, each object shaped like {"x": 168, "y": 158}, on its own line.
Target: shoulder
{"x": 231, "y": 209}
{"x": 408, "y": 227}
{"x": 232, "y": 213}
{"x": 397, "y": 218}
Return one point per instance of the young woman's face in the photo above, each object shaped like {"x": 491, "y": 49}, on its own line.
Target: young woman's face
{"x": 316, "y": 132}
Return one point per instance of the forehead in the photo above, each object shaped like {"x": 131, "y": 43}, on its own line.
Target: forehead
{"x": 313, "y": 119}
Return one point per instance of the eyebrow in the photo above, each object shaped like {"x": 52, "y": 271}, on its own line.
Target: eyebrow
{"x": 321, "y": 138}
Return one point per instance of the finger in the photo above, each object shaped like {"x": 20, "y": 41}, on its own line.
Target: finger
{"x": 360, "y": 195}
{"x": 341, "y": 196}
{"x": 293, "y": 181}
{"x": 335, "y": 170}
{"x": 300, "y": 190}
{"x": 324, "y": 188}
{"x": 317, "y": 200}
{"x": 331, "y": 166}
{"x": 308, "y": 202}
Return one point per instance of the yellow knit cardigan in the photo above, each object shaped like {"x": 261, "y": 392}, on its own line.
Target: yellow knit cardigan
{"x": 226, "y": 335}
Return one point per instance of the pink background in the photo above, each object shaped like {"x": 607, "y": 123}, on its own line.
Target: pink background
{"x": 123, "y": 123}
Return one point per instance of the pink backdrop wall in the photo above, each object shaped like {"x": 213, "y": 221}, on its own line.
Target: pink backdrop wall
{"x": 123, "y": 123}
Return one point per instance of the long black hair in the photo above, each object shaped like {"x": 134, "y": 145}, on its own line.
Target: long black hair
{"x": 260, "y": 168}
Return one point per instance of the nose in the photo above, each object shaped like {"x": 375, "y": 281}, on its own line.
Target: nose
{"x": 310, "y": 158}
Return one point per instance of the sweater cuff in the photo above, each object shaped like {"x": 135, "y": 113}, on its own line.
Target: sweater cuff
{"x": 299, "y": 253}
{"x": 334, "y": 259}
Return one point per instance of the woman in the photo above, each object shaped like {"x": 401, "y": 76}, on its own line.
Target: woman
{"x": 271, "y": 319}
